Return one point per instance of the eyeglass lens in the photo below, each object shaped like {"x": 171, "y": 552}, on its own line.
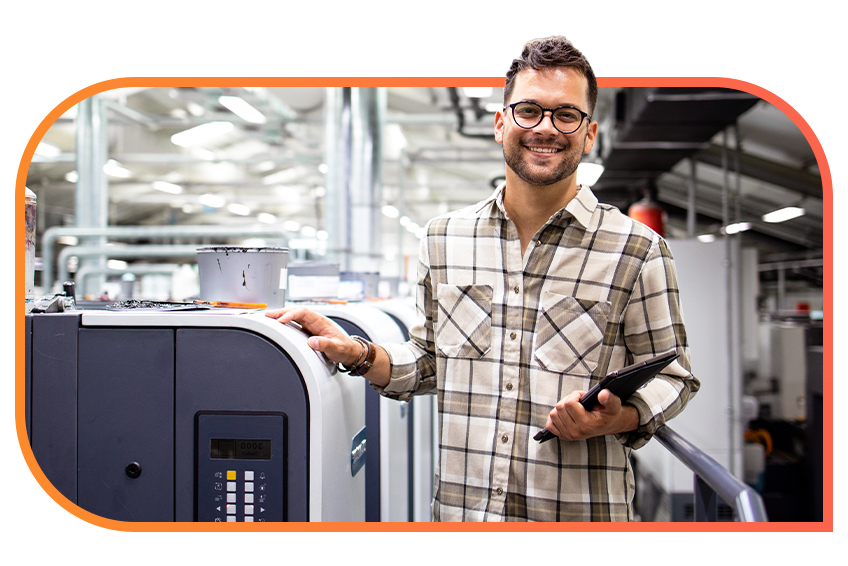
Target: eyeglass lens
{"x": 529, "y": 115}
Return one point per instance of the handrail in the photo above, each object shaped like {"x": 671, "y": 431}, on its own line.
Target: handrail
{"x": 712, "y": 479}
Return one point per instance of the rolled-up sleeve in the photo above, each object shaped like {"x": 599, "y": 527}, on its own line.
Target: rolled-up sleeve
{"x": 653, "y": 324}
{"x": 413, "y": 363}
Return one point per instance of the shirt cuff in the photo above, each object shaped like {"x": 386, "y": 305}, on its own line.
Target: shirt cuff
{"x": 648, "y": 424}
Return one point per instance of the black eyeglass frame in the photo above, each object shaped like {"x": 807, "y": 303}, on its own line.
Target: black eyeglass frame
{"x": 583, "y": 115}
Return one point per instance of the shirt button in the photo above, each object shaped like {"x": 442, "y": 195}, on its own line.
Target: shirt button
{"x": 504, "y": 439}
{"x": 538, "y": 243}
{"x": 516, "y": 289}
{"x": 509, "y": 387}
{"x": 500, "y": 491}
{"x": 513, "y": 335}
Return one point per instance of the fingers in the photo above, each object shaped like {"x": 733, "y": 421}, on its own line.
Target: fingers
{"x": 570, "y": 421}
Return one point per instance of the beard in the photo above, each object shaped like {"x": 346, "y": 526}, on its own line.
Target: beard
{"x": 539, "y": 175}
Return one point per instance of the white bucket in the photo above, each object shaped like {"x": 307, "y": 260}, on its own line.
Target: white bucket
{"x": 244, "y": 275}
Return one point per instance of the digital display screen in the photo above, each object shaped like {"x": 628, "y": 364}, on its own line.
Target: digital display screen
{"x": 240, "y": 449}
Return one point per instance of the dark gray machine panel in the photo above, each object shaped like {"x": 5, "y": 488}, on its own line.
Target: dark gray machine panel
{"x": 240, "y": 467}
{"x": 53, "y": 404}
{"x": 126, "y": 423}
{"x": 372, "y": 435}
{"x": 223, "y": 370}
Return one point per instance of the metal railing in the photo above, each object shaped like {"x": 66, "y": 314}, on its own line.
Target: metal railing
{"x": 713, "y": 482}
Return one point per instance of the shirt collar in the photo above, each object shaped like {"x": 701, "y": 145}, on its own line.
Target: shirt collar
{"x": 581, "y": 207}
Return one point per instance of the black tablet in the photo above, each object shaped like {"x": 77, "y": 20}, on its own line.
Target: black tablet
{"x": 622, "y": 382}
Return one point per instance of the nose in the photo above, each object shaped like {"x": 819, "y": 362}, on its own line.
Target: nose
{"x": 547, "y": 122}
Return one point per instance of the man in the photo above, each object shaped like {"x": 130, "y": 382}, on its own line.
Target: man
{"x": 525, "y": 300}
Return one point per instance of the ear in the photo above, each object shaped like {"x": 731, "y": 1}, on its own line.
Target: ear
{"x": 499, "y": 126}
{"x": 591, "y": 135}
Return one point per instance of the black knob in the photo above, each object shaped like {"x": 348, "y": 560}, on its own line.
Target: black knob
{"x": 133, "y": 470}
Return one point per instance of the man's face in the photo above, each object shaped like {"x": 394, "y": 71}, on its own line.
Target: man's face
{"x": 542, "y": 155}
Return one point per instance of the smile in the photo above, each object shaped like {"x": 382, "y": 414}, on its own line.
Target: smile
{"x": 544, "y": 149}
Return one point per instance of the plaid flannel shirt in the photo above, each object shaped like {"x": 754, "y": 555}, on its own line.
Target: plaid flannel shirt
{"x": 500, "y": 338}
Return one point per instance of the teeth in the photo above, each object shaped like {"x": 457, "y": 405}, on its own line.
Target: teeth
{"x": 544, "y": 149}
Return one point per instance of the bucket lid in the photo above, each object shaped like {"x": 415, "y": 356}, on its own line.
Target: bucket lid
{"x": 241, "y": 249}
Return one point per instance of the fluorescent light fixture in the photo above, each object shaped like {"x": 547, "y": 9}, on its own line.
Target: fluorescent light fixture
{"x": 266, "y": 218}
{"x": 115, "y": 169}
{"x": 736, "y": 228}
{"x": 412, "y": 227}
{"x": 706, "y": 238}
{"x": 188, "y": 208}
{"x": 320, "y": 192}
{"x": 291, "y": 225}
{"x": 589, "y": 173}
{"x": 45, "y": 149}
{"x": 322, "y": 235}
{"x": 283, "y": 176}
{"x": 195, "y": 109}
{"x": 72, "y": 176}
{"x": 783, "y": 214}
{"x": 238, "y": 208}
{"x": 492, "y": 107}
{"x": 477, "y": 91}
{"x": 116, "y": 264}
{"x": 167, "y": 187}
{"x": 404, "y": 221}
{"x": 212, "y": 201}
{"x": 200, "y": 134}
{"x": 242, "y": 109}
{"x": 264, "y": 166}
{"x": 308, "y": 231}
{"x": 390, "y": 211}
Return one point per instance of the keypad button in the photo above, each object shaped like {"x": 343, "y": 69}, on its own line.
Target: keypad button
{"x": 248, "y": 487}
{"x": 248, "y": 519}
{"x": 231, "y": 509}
{"x": 231, "y": 518}
{"x": 248, "y": 509}
{"x": 231, "y": 498}
{"x": 231, "y": 475}
{"x": 248, "y": 498}
{"x": 231, "y": 486}
{"x": 248, "y": 476}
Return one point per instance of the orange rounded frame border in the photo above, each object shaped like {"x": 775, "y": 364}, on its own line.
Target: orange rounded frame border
{"x": 827, "y": 236}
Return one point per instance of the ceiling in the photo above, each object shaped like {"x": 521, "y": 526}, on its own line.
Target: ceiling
{"x": 439, "y": 154}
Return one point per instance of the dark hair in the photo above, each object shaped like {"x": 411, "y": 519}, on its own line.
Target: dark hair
{"x": 552, "y": 52}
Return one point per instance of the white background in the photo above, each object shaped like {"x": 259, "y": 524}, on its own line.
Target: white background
{"x": 52, "y": 49}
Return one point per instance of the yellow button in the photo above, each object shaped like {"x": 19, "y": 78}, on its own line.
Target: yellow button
{"x": 538, "y": 243}
{"x": 509, "y": 387}
{"x": 513, "y": 335}
{"x": 504, "y": 439}
{"x": 500, "y": 491}
{"x": 231, "y": 474}
{"x": 516, "y": 289}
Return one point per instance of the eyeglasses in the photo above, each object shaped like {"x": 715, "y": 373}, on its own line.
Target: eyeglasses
{"x": 566, "y": 119}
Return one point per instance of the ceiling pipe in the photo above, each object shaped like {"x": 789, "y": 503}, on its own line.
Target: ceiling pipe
{"x": 144, "y": 232}
{"x": 121, "y": 252}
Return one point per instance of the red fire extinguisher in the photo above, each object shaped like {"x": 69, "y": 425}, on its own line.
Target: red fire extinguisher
{"x": 649, "y": 213}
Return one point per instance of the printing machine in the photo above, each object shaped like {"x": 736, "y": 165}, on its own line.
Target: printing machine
{"x": 424, "y": 425}
{"x": 388, "y": 476}
{"x": 201, "y": 415}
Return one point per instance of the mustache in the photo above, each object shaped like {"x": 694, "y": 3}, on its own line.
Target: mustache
{"x": 534, "y": 141}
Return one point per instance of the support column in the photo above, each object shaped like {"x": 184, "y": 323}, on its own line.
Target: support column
{"x": 92, "y": 193}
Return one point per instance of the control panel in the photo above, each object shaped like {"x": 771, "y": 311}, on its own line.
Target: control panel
{"x": 240, "y": 467}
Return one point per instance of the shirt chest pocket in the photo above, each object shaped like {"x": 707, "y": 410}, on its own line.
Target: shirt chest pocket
{"x": 464, "y": 320}
{"x": 570, "y": 333}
